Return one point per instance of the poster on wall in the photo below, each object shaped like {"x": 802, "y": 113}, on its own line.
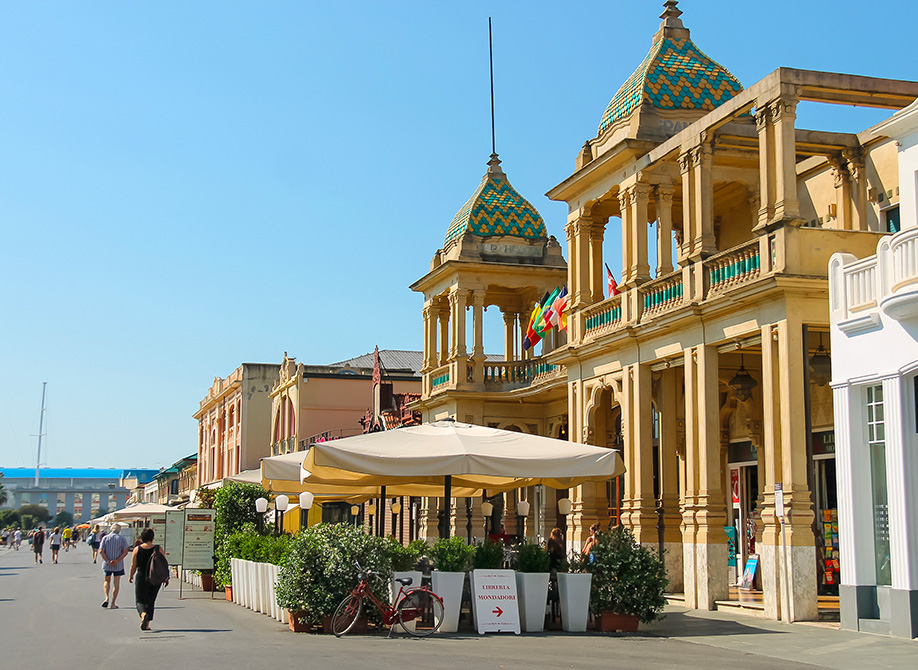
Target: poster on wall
{"x": 749, "y": 573}
{"x": 172, "y": 536}
{"x": 198, "y": 547}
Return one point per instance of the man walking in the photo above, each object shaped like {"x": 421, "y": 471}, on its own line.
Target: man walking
{"x": 113, "y": 550}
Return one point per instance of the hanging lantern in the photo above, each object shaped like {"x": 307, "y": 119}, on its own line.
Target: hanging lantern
{"x": 743, "y": 383}
{"x": 821, "y": 365}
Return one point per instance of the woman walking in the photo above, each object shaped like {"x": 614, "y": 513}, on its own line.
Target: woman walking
{"x": 56, "y": 538}
{"x": 94, "y": 541}
{"x": 38, "y": 543}
{"x": 144, "y": 591}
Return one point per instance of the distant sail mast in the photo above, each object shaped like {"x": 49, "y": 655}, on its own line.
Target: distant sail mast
{"x": 41, "y": 431}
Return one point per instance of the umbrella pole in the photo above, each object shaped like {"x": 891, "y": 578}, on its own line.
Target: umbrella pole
{"x": 382, "y": 511}
{"x": 445, "y": 511}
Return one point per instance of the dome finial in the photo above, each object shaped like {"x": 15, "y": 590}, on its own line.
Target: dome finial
{"x": 671, "y": 14}
{"x": 494, "y": 166}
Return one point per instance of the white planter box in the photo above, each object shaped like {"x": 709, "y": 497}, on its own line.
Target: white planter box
{"x": 532, "y": 591}
{"x": 448, "y": 585}
{"x": 415, "y": 575}
{"x": 574, "y": 590}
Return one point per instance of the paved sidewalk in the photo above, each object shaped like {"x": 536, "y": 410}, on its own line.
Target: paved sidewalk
{"x": 62, "y": 601}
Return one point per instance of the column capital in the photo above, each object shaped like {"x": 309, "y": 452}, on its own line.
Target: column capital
{"x": 664, "y": 192}
{"x": 762, "y": 117}
{"x": 685, "y": 161}
{"x": 783, "y": 109}
{"x": 702, "y": 155}
{"x": 478, "y": 298}
{"x": 640, "y": 192}
{"x": 840, "y": 173}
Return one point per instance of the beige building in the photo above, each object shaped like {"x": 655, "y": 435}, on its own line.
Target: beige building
{"x": 321, "y": 402}
{"x": 709, "y": 369}
{"x": 234, "y": 422}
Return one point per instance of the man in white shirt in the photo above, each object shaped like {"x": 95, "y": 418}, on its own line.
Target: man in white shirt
{"x": 113, "y": 550}
{"x": 17, "y": 538}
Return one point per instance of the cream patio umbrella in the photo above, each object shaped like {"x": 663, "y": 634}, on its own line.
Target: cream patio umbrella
{"x": 457, "y": 453}
{"x": 139, "y": 511}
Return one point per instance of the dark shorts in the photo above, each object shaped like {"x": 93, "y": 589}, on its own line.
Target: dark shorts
{"x": 55, "y": 547}
{"x": 94, "y": 545}
{"x": 116, "y": 573}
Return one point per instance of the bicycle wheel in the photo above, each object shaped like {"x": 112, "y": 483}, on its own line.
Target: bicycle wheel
{"x": 346, "y": 614}
{"x": 420, "y": 613}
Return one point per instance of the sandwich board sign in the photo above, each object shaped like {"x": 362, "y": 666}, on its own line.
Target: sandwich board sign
{"x": 173, "y": 536}
{"x": 198, "y": 541}
{"x": 496, "y": 605}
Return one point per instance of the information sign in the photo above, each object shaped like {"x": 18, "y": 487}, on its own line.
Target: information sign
{"x": 749, "y": 573}
{"x": 496, "y": 607}
{"x": 172, "y": 536}
{"x": 779, "y": 500}
{"x": 198, "y": 549}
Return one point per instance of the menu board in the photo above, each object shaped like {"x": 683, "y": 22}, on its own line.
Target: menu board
{"x": 173, "y": 536}
{"x": 198, "y": 549}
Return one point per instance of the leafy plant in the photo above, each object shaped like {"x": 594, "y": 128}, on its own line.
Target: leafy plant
{"x": 205, "y": 497}
{"x": 450, "y": 554}
{"x": 574, "y": 563}
{"x": 248, "y": 545}
{"x": 627, "y": 578}
{"x": 405, "y": 558}
{"x": 488, "y": 555}
{"x": 234, "y": 505}
{"x": 533, "y": 558}
{"x": 37, "y": 512}
{"x": 319, "y": 570}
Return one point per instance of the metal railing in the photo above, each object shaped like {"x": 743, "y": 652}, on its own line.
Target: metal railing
{"x": 733, "y": 267}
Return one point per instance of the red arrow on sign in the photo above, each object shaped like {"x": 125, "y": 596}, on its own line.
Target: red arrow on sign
{"x": 498, "y": 611}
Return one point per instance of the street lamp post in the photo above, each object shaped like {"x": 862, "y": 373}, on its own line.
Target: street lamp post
{"x": 355, "y": 510}
{"x": 522, "y": 511}
{"x": 306, "y": 500}
{"x": 261, "y": 506}
{"x": 396, "y": 507}
{"x": 281, "y": 503}
{"x": 371, "y": 511}
{"x": 487, "y": 509}
{"x": 564, "y": 508}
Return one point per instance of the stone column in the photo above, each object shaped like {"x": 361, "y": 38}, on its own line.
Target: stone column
{"x": 783, "y": 116}
{"x": 705, "y": 243}
{"x": 578, "y": 270}
{"x": 669, "y": 476}
{"x": 430, "y": 338}
{"x": 842, "y": 181}
{"x": 478, "y": 354}
{"x": 785, "y": 459}
{"x": 688, "y": 207}
{"x": 690, "y": 489}
{"x": 509, "y": 329}
{"x": 457, "y": 301}
{"x": 624, "y": 203}
{"x": 640, "y": 267}
{"x": 643, "y": 519}
{"x": 443, "y": 315}
{"x": 596, "y": 262}
{"x": 663, "y": 198}
{"x": 766, "y": 167}
{"x": 858, "y": 175}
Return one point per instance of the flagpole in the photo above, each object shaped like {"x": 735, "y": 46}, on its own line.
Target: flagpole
{"x": 491, "y": 61}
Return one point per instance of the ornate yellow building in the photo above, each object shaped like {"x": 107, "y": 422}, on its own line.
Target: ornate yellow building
{"x": 709, "y": 370}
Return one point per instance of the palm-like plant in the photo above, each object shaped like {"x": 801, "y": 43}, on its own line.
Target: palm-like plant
{"x": 3, "y": 495}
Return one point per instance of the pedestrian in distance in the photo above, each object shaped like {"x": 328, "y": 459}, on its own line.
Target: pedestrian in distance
{"x": 67, "y": 533}
{"x": 38, "y": 543}
{"x": 113, "y": 550}
{"x": 56, "y": 539}
{"x": 17, "y": 538}
{"x": 145, "y": 590}
{"x": 591, "y": 541}
{"x": 94, "y": 541}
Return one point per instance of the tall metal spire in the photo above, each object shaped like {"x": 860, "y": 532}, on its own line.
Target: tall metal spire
{"x": 491, "y": 60}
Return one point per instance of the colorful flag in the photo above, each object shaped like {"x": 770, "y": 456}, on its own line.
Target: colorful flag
{"x": 531, "y": 338}
{"x": 558, "y": 308}
{"x": 613, "y": 285}
{"x": 544, "y": 322}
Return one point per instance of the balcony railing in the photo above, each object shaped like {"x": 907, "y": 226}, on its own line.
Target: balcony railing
{"x": 440, "y": 378}
{"x": 663, "y": 294}
{"x": 904, "y": 256}
{"x": 603, "y": 316}
{"x": 733, "y": 267}
{"x": 509, "y": 375}
{"x": 861, "y": 284}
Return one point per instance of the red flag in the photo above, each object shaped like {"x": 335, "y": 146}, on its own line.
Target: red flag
{"x": 613, "y": 285}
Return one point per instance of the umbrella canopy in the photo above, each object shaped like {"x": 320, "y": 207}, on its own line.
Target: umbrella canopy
{"x": 472, "y": 455}
{"x": 284, "y": 474}
{"x": 139, "y": 511}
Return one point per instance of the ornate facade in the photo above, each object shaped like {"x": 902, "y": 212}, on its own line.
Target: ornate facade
{"x": 707, "y": 370}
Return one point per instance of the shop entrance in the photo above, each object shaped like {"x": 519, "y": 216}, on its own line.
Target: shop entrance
{"x": 743, "y": 462}
{"x": 825, "y": 493}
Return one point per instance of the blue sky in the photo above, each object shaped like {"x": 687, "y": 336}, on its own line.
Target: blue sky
{"x": 187, "y": 186}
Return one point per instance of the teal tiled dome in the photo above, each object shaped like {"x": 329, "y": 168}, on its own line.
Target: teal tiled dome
{"x": 495, "y": 208}
{"x": 676, "y": 74}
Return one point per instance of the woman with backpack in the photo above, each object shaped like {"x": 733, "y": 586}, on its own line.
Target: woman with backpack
{"x": 145, "y": 588}
{"x": 94, "y": 541}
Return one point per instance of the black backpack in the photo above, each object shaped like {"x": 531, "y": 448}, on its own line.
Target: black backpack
{"x": 158, "y": 571}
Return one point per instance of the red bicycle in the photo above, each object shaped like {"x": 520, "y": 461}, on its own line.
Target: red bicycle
{"x": 418, "y": 610}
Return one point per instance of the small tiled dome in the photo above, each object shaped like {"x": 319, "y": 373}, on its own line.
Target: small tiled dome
{"x": 676, "y": 74}
{"x": 495, "y": 208}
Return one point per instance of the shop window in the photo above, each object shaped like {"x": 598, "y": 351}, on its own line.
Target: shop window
{"x": 876, "y": 445}
{"x": 891, "y": 219}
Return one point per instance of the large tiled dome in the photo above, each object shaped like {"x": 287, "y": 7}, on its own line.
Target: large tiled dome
{"x": 495, "y": 208}
{"x": 676, "y": 74}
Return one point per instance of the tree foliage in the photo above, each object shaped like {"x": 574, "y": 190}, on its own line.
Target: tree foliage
{"x": 234, "y": 505}
{"x": 37, "y": 512}
{"x": 63, "y": 519}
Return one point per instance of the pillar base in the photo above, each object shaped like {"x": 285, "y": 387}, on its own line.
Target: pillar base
{"x": 706, "y": 575}
{"x": 803, "y": 605}
{"x": 672, "y": 559}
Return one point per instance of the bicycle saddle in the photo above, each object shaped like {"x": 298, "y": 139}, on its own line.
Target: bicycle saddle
{"x": 404, "y": 581}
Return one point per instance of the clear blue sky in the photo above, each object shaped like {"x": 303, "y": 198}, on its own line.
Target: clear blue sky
{"x": 185, "y": 186}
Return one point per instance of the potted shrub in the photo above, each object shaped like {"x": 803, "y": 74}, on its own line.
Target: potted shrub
{"x": 405, "y": 564}
{"x": 534, "y": 564}
{"x": 319, "y": 569}
{"x": 628, "y": 582}
{"x": 574, "y": 593}
{"x": 450, "y": 558}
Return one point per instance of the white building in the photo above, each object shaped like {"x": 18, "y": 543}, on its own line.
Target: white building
{"x": 874, "y": 314}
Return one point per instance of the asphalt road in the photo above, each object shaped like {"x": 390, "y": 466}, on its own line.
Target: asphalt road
{"x": 50, "y": 617}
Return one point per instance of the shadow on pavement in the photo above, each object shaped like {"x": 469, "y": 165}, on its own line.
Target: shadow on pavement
{"x": 191, "y": 630}
{"x": 679, "y": 624}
